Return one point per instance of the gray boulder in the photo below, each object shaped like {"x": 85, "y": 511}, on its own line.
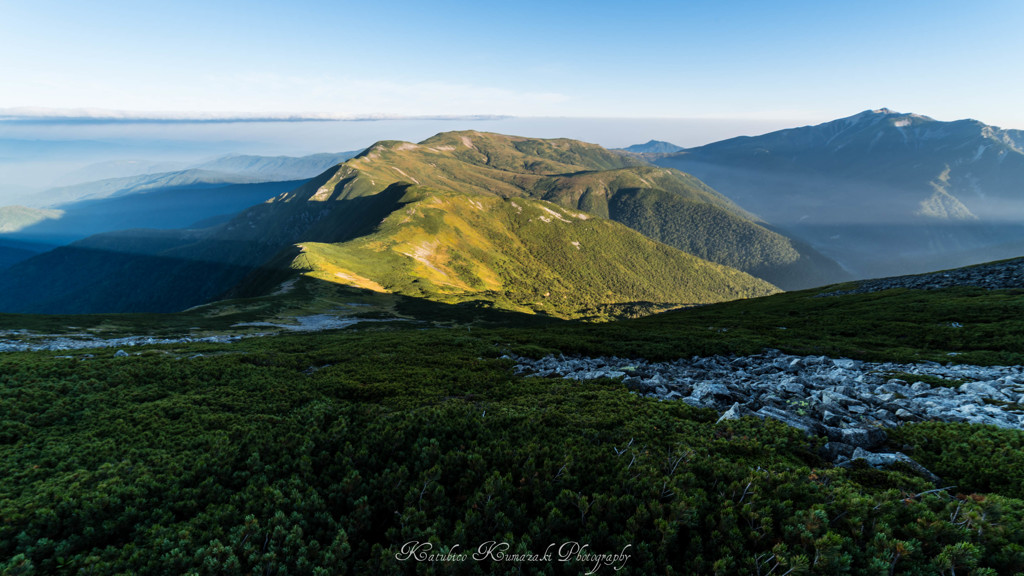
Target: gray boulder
{"x": 836, "y": 451}
{"x": 887, "y": 459}
{"x": 806, "y": 425}
{"x": 863, "y": 437}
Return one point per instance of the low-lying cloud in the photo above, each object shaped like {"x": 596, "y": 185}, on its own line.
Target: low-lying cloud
{"x": 99, "y": 116}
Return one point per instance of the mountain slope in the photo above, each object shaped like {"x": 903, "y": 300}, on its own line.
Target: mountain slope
{"x": 14, "y": 251}
{"x": 207, "y": 193}
{"x": 521, "y": 254}
{"x": 880, "y": 191}
{"x": 584, "y": 177}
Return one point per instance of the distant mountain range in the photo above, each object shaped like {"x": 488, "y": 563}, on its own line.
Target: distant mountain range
{"x": 653, "y": 147}
{"x": 232, "y": 169}
{"x": 195, "y": 197}
{"x": 881, "y": 192}
{"x": 380, "y": 203}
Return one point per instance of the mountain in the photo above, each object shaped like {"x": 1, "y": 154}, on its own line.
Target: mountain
{"x": 264, "y": 167}
{"x": 666, "y": 205}
{"x": 13, "y": 218}
{"x": 207, "y": 194}
{"x": 117, "y": 169}
{"x": 112, "y": 187}
{"x": 14, "y": 251}
{"x": 653, "y": 147}
{"x": 163, "y": 271}
{"x": 165, "y": 207}
{"x": 277, "y": 167}
{"x": 233, "y": 169}
{"x": 881, "y": 192}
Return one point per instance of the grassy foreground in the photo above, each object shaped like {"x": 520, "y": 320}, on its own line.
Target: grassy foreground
{"x": 326, "y": 453}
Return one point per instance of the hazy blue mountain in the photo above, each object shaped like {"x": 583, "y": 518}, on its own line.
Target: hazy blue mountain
{"x": 277, "y": 167}
{"x": 204, "y": 195}
{"x": 168, "y": 207}
{"x": 65, "y": 195}
{"x": 233, "y": 169}
{"x": 653, "y": 147}
{"x": 881, "y": 192}
{"x": 14, "y": 251}
{"x": 118, "y": 169}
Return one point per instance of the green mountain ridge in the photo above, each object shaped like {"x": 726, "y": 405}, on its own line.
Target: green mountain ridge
{"x": 585, "y": 177}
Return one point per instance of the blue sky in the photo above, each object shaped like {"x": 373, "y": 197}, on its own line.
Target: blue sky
{"x": 806, "y": 61}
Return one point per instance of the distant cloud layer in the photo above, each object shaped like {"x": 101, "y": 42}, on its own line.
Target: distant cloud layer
{"x": 97, "y": 115}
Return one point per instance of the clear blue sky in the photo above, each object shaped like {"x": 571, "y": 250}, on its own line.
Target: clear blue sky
{"x": 803, "y": 60}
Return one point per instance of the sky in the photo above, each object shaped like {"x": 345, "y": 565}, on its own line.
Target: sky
{"x": 787, "y": 60}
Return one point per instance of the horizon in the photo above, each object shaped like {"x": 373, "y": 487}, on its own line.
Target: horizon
{"x": 44, "y": 148}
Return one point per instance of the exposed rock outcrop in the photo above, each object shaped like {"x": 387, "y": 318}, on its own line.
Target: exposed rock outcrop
{"x": 850, "y": 402}
{"x": 1002, "y": 275}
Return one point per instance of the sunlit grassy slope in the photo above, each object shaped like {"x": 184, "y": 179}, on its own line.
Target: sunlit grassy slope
{"x": 522, "y": 254}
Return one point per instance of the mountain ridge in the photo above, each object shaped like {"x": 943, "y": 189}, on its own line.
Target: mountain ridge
{"x": 578, "y": 176}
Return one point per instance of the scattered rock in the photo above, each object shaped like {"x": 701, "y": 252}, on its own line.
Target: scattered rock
{"x": 849, "y": 401}
{"x": 733, "y": 413}
{"x": 120, "y": 354}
